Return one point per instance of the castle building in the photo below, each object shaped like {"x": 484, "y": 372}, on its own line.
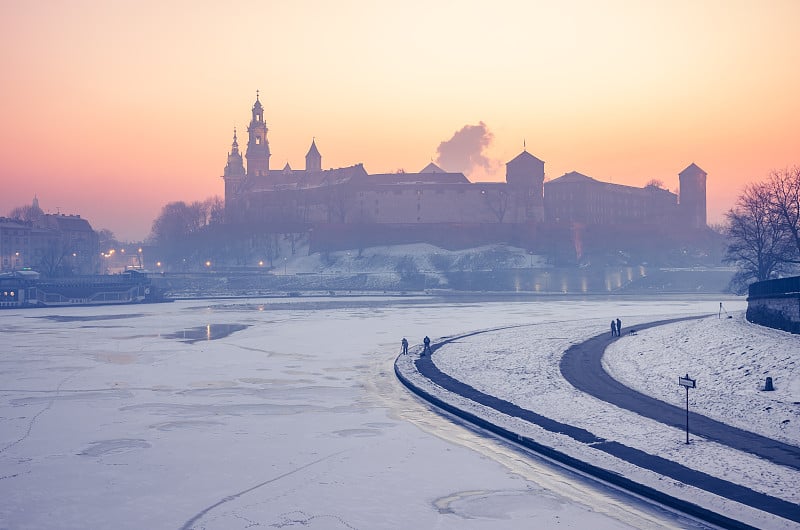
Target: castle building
{"x": 312, "y": 196}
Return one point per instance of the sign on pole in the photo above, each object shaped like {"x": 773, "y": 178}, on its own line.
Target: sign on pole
{"x": 688, "y": 383}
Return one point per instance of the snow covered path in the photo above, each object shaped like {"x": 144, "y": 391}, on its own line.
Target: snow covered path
{"x": 641, "y": 459}
{"x": 518, "y": 366}
{"x": 582, "y": 366}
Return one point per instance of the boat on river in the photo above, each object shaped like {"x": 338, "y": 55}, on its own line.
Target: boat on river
{"x": 28, "y": 289}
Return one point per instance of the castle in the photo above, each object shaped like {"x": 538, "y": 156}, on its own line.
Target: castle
{"x": 329, "y": 201}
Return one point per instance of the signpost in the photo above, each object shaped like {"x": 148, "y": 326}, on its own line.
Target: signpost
{"x": 688, "y": 383}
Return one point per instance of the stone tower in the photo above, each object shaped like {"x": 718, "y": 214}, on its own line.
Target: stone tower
{"x": 234, "y": 171}
{"x": 257, "y": 145}
{"x": 313, "y": 158}
{"x": 525, "y": 174}
{"x": 692, "y": 198}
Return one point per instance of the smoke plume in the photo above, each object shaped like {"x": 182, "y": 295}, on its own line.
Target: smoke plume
{"x": 465, "y": 152}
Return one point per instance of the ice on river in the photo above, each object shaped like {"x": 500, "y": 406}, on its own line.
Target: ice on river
{"x": 278, "y": 413}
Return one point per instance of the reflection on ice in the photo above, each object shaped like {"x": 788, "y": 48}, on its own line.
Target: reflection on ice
{"x": 207, "y": 332}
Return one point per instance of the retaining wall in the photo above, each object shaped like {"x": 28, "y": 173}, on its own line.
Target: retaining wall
{"x": 775, "y": 304}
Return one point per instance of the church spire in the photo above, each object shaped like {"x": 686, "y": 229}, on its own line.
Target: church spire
{"x": 235, "y": 166}
{"x": 257, "y": 145}
{"x": 235, "y": 145}
{"x": 313, "y": 158}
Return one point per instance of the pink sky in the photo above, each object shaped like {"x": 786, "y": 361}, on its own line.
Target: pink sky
{"x": 112, "y": 109}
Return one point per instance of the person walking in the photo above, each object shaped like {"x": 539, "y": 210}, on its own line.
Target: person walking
{"x": 619, "y": 327}
{"x": 427, "y": 342}
{"x": 613, "y": 328}
{"x": 404, "y": 343}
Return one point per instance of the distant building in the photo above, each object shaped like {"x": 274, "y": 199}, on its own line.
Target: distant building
{"x": 53, "y": 244}
{"x": 15, "y": 244}
{"x": 432, "y": 197}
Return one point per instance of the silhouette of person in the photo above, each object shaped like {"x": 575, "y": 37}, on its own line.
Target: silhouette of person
{"x": 404, "y": 343}
{"x": 427, "y": 348}
{"x": 613, "y": 328}
{"x": 619, "y": 327}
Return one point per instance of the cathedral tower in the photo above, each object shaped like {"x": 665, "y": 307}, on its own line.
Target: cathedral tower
{"x": 234, "y": 171}
{"x": 692, "y": 199}
{"x": 257, "y": 145}
{"x": 313, "y": 158}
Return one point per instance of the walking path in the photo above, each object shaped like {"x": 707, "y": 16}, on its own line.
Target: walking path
{"x": 582, "y": 363}
{"x": 582, "y": 366}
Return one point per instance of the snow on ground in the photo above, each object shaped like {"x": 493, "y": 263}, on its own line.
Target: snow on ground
{"x": 730, "y": 358}
{"x": 520, "y": 365}
{"x": 273, "y": 413}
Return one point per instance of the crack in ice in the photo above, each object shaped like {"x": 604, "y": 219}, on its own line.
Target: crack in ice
{"x": 190, "y": 523}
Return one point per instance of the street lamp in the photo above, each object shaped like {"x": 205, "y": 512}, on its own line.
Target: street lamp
{"x": 284, "y": 266}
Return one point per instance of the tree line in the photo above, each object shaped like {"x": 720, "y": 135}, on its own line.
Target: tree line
{"x": 763, "y": 229}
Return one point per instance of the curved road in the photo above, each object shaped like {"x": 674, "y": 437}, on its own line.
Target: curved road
{"x": 582, "y": 366}
{"x": 582, "y": 363}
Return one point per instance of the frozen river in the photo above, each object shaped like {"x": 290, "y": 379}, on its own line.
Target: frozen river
{"x": 272, "y": 413}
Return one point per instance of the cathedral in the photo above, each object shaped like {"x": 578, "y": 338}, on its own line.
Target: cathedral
{"x": 433, "y": 199}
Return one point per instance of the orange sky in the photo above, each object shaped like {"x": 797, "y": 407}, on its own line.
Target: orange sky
{"x": 112, "y": 109}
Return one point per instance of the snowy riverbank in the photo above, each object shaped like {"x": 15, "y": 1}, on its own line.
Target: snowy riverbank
{"x": 520, "y": 365}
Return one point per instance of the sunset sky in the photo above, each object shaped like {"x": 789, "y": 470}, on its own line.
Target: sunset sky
{"x": 111, "y": 109}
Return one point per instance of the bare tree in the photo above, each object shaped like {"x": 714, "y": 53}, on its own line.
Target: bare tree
{"x": 26, "y": 213}
{"x": 177, "y": 220}
{"x": 497, "y": 203}
{"x": 53, "y": 261}
{"x": 758, "y": 241}
{"x": 655, "y": 183}
{"x": 210, "y": 211}
{"x": 784, "y": 189}
{"x": 339, "y": 202}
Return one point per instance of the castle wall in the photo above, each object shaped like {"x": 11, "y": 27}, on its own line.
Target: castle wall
{"x": 437, "y": 204}
{"x": 593, "y": 202}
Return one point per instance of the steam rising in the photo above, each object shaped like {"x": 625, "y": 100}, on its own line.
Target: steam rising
{"x": 465, "y": 152}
